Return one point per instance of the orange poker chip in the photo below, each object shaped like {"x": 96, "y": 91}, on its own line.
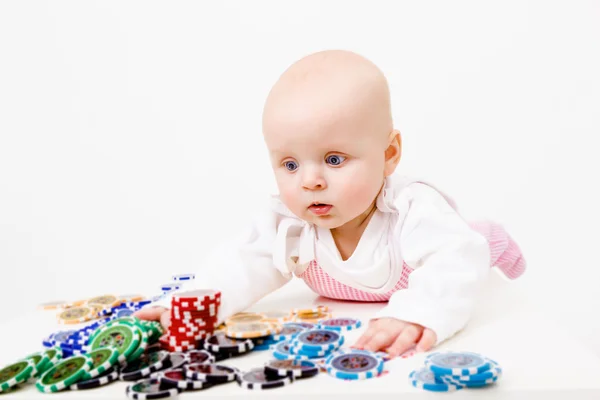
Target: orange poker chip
{"x": 244, "y": 318}
{"x": 52, "y": 305}
{"x": 77, "y": 315}
{"x": 252, "y": 330}
{"x": 310, "y": 310}
{"x": 277, "y": 317}
{"x": 106, "y": 301}
{"x": 312, "y": 318}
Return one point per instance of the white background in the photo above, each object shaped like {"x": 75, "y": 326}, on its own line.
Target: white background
{"x": 130, "y": 137}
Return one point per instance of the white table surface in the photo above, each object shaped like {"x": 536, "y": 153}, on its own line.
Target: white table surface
{"x": 539, "y": 359}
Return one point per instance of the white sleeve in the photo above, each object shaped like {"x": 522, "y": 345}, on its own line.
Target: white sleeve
{"x": 241, "y": 269}
{"x": 450, "y": 262}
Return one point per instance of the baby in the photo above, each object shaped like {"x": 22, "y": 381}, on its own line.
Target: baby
{"x": 346, "y": 224}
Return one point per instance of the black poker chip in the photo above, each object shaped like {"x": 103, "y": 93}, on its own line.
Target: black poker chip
{"x": 256, "y": 379}
{"x": 145, "y": 365}
{"x": 293, "y": 368}
{"x": 175, "y": 378}
{"x": 150, "y": 389}
{"x": 200, "y": 357}
{"x": 219, "y": 343}
{"x": 107, "y": 377}
{"x": 212, "y": 373}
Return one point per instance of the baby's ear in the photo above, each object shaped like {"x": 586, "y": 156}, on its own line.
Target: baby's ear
{"x": 393, "y": 152}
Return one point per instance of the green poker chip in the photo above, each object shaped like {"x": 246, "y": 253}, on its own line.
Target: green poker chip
{"x": 64, "y": 374}
{"x": 121, "y": 335}
{"x": 103, "y": 359}
{"x": 41, "y": 361}
{"x": 55, "y": 355}
{"x": 144, "y": 340}
{"x": 16, "y": 373}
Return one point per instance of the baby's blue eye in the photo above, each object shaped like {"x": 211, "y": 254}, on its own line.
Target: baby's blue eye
{"x": 291, "y": 165}
{"x": 335, "y": 160}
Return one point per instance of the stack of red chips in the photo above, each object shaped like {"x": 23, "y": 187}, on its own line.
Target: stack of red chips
{"x": 193, "y": 318}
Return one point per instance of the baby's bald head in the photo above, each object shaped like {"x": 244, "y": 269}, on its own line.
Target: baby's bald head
{"x": 330, "y": 89}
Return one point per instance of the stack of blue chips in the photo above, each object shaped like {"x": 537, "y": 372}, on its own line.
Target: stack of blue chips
{"x": 450, "y": 371}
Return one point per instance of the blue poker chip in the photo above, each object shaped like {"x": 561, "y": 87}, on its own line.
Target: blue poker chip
{"x": 491, "y": 373}
{"x": 310, "y": 354}
{"x": 469, "y": 384}
{"x": 281, "y": 351}
{"x": 317, "y": 340}
{"x": 354, "y": 365}
{"x": 457, "y": 363}
{"x": 184, "y": 277}
{"x": 427, "y": 380}
{"x": 169, "y": 287}
{"x": 340, "y": 324}
{"x": 289, "y": 330}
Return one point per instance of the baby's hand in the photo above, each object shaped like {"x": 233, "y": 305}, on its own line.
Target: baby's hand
{"x": 395, "y": 337}
{"x": 157, "y": 313}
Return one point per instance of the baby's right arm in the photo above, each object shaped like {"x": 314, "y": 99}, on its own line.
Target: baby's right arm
{"x": 241, "y": 269}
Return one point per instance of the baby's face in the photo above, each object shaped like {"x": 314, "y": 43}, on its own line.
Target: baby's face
{"x": 328, "y": 162}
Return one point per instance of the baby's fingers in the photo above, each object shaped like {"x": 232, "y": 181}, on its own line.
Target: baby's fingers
{"x": 427, "y": 340}
{"x": 405, "y": 340}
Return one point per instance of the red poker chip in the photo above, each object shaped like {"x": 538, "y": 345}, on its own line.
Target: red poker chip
{"x": 197, "y": 295}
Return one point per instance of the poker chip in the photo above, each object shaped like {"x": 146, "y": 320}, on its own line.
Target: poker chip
{"x": 317, "y": 340}
{"x": 169, "y": 287}
{"x": 77, "y": 315}
{"x": 292, "y": 368}
{"x": 123, "y": 336}
{"x": 212, "y": 373}
{"x": 469, "y": 384}
{"x": 67, "y": 372}
{"x": 200, "y": 357}
{"x": 457, "y": 363}
{"x": 175, "y": 378}
{"x": 15, "y": 374}
{"x": 310, "y": 310}
{"x": 184, "y": 277}
{"x": 290, "y": 330}
{"x": 281, "y": 351}
{"x": 252, "y": 330}
{"x": 245, "y": 318}
{"x": 41, "y": 362}
{"x": 340, "y": 324}
{"x": 425, "y": 379}
{"x": 494, "y": 372}
{"x": 193, "y": 319}
{"x": 54, "y": 355}
{"x": 127, "y": 298}
{"x": 105, "y": 301}
{"x": 52, "y": 305}
{"x": 107, "y": 377}
{"x": 145, "y": 365}
{"x": 312, "y": 318}
{"x": 150, "y": 389}
{"x": 255, "y": 379}
{"x": 354, "y": 365}
{"x": 103, "y": 359}
{"x": 278, "y": 317}
{"x": 221, "y": 344}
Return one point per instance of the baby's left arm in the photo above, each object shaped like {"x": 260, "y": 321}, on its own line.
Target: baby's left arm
{"x": 450, "y": 262}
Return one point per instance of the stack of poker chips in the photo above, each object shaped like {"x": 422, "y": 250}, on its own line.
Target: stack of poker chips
{"x": 193, "y": 319}
{"x": 451, "y": 371}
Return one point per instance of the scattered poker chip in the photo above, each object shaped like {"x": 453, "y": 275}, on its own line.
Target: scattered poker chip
{"x": 310, "y": 310}
{"x": 15, "y": 374}
{"x": 340, "y": 324}
{"x": 145, "y": 365}
{"x": 200, "y": 357}
{"x": 312, "y": 318}
{"x": 252, "y": 330}
{"x": 281, "y": 351}
{"x": 255, "y": 379}
{"x": 52, "y": 305}
{"x": 119, "y": 334}
{"x": 105, "y": 301}
{"x": 219, "y": 343}
{"x": 64, "y": 374}
{"x": 278, "y": 317}
{"x": 175, "y": 378}
{"x": 184, "y": 277}
{"x": 103, "y": 359}
{"x": 244, "y": 318}
{"x": 491, "y": 373}
{"x": 354, "y": 365}
{"x": 211, "y": 373}
{"x": 457, "y": 363}
{"x": 75, "y": 303}
{"x": 292, "y": 368}
{"x": 150, "y": 389}
{"x": 178, "y": 360}
{"x": 317, "y": 340}
{"x": 144, "y": 341}
{"x": 54, "y": 355}
{"x": 77, "y": 315}
{"x": 169, "y": 287}
{"x": 469, "y": 384}
{"x": 107, "y": 377}
{"x": 426, "y": 379}
{"x": 41, "y": 362}
{"x": 289, "y": 330}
